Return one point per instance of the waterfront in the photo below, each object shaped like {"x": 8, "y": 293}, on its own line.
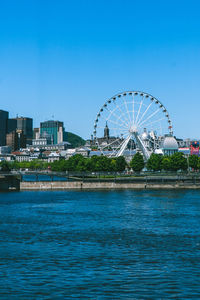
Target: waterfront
{"x": 100, "y": 245}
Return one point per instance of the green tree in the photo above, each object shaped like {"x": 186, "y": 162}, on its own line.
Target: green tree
{"x": 24, "y": 164}
{"x": 103, "y": 164}
{"x": 178, "y": 162}
{"x": 5, "y": 166}
{"x": 166, "y": 163}
{"x": 73, "y": 162}
{"x": 113, "y": 165}
{"x": 55, "y": 166}
{"x": 92, "y": 163}
{"x": 81, "y": 166}
{"x": 89, "y": 165}
{"x": 155, "y": 162}
{"x": 137, "y": 162}
{"x": 193, "y": 161}
{"x": 58, "y": 165}
{"x": 120, "y": 164}
{"x": 15, "y": 165}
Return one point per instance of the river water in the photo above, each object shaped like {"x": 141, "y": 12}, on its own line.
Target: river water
{"x": 100, "y": 245}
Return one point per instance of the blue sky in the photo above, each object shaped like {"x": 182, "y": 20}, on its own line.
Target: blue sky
{"x": 66, "y": 58}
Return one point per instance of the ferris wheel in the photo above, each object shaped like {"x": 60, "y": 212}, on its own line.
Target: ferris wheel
{"x": 127, "y": 118}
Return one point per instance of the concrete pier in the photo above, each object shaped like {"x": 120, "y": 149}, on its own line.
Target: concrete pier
{"x": 81, "y": 185}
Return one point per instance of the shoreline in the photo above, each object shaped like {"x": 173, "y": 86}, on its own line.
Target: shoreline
{"x": 82, "y": 185}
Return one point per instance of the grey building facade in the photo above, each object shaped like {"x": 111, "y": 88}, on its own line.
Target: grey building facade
{"x": 3, "y": 126}
{"x": 26, "y": 125}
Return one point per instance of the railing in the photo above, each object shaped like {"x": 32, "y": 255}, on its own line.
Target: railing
{"x": 147, "y": 177}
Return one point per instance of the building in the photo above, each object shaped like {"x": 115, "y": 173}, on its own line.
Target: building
{"x": 5, "y": 150}
{"x": 49, "y": 147}
{"x": 21, "y": 156}
{"x": 194, "y": 148}
{"x": 106, "y": 142}
{"x": 16, "y": 140}
{"x": 3, "y": 127}
{"x": 26, "y": 125}
{"x": 36, "y": 133}
{"x": 22, "y": 139}
{"x": 40, "y": 142}
{"x": 12, "y": 140}
{"x": 53, "y": 156}
{"x": 183, "y": 143}
{"x": 53, "y": 129}
{"x": 84, "y": 151}
{"x": 11, "y": 125}
{"x": 170, "y": 145}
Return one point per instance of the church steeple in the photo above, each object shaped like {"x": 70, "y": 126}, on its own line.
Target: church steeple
{"x": 106, "y": 131}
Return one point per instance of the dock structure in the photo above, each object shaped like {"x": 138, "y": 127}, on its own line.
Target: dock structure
{"x": 9, "y": 182}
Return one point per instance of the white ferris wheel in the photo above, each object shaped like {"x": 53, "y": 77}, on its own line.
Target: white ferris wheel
{"x": 128, "y": 117}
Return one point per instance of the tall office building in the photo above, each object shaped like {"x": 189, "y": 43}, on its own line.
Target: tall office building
{"x": 16, "y": 140}
{"x": 12, "y": 140}
{"x": 3, "y": 127}
{"x": 53, "y": 129}
{"x": 26, "y": 125}
{"x": 11, "y": 125}
{"x": 13, "y": 132}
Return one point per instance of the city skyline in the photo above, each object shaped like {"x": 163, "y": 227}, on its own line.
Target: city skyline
{"x": 63, "y": 61}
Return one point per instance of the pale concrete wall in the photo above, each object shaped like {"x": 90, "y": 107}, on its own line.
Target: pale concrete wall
{"x": 69, "y": 185}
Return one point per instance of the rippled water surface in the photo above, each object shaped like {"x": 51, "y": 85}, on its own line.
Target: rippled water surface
{"x": 100, "y": 245}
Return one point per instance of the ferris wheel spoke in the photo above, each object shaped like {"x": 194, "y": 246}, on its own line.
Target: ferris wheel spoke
{"x": 120, "y": 146}
{"x": 108, "y": 120}
{"x": 117, "y": 148}
{"x": 153, "y": 122}
{"x": 144, "y": 113}
{"x": 118, "y": 139}
{"x": 133, "y": 110}
{"x": 122, "y": 113}
{"x": 149, "y": 117}
{"x": 112, "y": 128}
{"x": 124, "y": 145}
{"x": 138, "y": 113}
{"x": 161, "y": 130}
{"x": 118, "y": 117}
{"x": 128, "y": 113}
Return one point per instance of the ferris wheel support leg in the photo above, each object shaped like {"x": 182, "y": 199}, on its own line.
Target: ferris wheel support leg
{"x": 123, "y": 147}
{"x": 141, "y": 145}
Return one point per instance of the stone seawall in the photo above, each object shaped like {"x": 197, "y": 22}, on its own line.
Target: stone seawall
{"x": 81, "y": 185}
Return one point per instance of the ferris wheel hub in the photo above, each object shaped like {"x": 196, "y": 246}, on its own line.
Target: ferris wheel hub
{"x": 133, "y": 129}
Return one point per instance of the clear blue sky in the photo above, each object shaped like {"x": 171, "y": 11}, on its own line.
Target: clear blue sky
{"x": 65, "y": 58}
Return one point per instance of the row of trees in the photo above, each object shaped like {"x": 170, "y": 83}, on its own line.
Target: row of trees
{"x": 158, "y": 162}
{"x": 32, "y": 165}
{"x": 94, "y": 164}
{"x": 78, "y": 163}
